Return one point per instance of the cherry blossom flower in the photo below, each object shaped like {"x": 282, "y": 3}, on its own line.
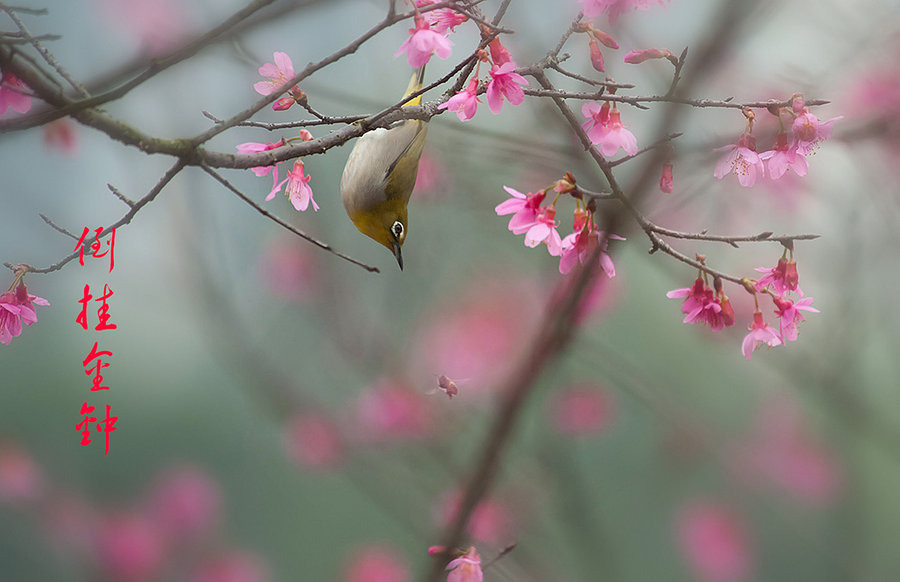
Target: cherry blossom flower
{"x": 466, "y": 568}
{"x": 60, "y": 134}
{"x": 636, "y": 57}
{"x": 491, "y": 521}
{"x": 441, "y": 20}
{"x": 185, "y": 502}
{"x": 544, "y": 231}
{"x": 313, "y": 441}
{"x": 582, "y": 411}
{"x": 505, "y": 82}
{"x": 615, "y": 8}
{"x": 782, "y": 277}
{"x": 783, "y": 157}
{"x": 713, "y": 541}
{"x": 298, "y": 189}
{"x": 611, "y": 135}
{"x": 500, "y": 55}
{"x": 809, "y": 131}
{"x": 598, "y": 120}
{"x": 17, "y": 307}
{"x": 465, "y": 103}
{"x": 760, "y": 333}
{"x": 279, "y": 73}
{"x": 129, "y": 547}
{"x": 666, "y": 179}
{"x": 391, "y": 410}
{"x": 376, "y": 563}
{"x": 578, "y": 247}
{"x": 422, "y": 42}
{"x": 231, "y": 567}
{"x": 523, "y": 207}
{"x": 251, "y": 147}
{"x": 701, "y": 305}
{"x": 741, "y": 160}
{"x": 789, "y": 313}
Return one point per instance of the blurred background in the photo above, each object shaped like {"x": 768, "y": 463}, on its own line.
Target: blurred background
{"x": 279, "y": 417}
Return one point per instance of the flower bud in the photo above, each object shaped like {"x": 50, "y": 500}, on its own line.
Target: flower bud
{"x": 596, "y": 56}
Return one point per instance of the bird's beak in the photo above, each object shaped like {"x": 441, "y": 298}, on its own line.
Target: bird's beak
{"x": 395, "y": 246}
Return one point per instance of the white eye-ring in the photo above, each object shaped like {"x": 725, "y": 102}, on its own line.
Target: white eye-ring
{"x": 397, "y": 229}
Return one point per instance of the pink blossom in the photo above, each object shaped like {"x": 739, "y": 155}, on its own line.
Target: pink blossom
{"x": 582, "y": 411}
{"x": 17, "y": 307}
{"x": 636, "y": 57}
{"x": 760, "y": 333}
{"x": 523, "y": 207}
{"x": 289, "y": 270}
{"x": 782, "y": 277}
{"x": 809, "y": 131}
{"x": 615, "y": 8}
{"x": 376, "y": 563}
{"x": 432, "y": 179}
{"x": 158, "y": 24}
{"x": 714, "y": 543}
{"x": 20, "y": 477}
{"x": 231, "y": 567}
{"x": 784, "y": 157}
{"x": 298, "y": 189}
{"x": 313, "y": 441}
{"x": 391, "y": 410}
{"x": 251, "y": 147}
{"x": 278, "y": 74}
{"x": 491, "y": 522}
{"x": 666, "y": 179}
{"x": 129, "y": 548}
{"x": 441, "y": 20}
{"x": 185, "y": 502}
{"x": 544, "y": 231}
{"x": 60, "y": 134}
{"x": 607, "y": 39}
{"x": 741, "y": 160}
{"x": 578, "y": 247}
{"x": 789, "y": 313}
{"x": 422, "y": 42}
{"x": 499, "y": 54}
{"x": 701, "y": 305}
{"x": 466, "y": 568}
{"x": 505, "y": 82}
{"x": 464, "y": 103}
{"x": 615, "y": 136}
{"x": 597, "y": 123}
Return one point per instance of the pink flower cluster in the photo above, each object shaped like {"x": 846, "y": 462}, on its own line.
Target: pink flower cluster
{"x": 279, "y": 73}
{"x": 504, "y": 83}
{"x": 17, "y": 307}
{"x": 702, "y": 305}
{"x": 539, "y": 225}
{"x": 298, "y": 190}
{"x": 13, "y": 93}
{"x": 429, "y": 35}
{"x": 604, "y": 128}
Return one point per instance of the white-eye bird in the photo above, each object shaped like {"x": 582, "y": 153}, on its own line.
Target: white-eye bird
{"x": 380, "y": 175}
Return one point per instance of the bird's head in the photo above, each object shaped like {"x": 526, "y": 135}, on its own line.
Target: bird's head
{"x": 386, "y": 224}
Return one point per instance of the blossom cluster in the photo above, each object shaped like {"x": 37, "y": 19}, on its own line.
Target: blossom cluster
{"x": 16, "y": 308}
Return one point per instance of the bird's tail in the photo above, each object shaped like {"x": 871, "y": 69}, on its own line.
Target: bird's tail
{"x": 415, "y": 83}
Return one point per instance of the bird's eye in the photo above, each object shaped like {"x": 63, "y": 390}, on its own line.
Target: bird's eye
{"x": 397, "y": 229}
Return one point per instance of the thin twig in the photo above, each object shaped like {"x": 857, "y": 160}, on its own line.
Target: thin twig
{"x": 120, "y": 196}
{"x": 57, "y": 228}
{"x": 651, "y": 147}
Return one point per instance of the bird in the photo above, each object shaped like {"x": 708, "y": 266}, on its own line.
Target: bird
{"x": 380, "y": 174}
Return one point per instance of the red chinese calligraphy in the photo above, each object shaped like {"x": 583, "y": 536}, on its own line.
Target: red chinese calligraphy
{"x": 102, "y": 311}
{"x": 106, "y": 425}
{"x": 96, "y": 245}
{"x": 98, "y": 377}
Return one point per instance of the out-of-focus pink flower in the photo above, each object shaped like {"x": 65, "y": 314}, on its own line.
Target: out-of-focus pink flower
{"x": 298, "y": 190}
{"x": 432, "y": 179}
{"x": 783, "y": 453}
{"x": 20, "y": 477}
{"x": 289, "y": 270}
{"x": 741, "y": 160}
{"x": 578, "y": 247}
{"x": 782, "y": 277}
{"x": 491, "y": 522}
{"x": 597, "y": 123}
{"x": 789, "y": 314}
{"x": 60, "y": 134}
{"x": 252, "y": 147}
{"x": 17, "y": 307}
{"x": 615, "y": 136}
{"x": 466, "y": 568}
{"x": 69, "y": 523}
{"x": 523, "y": 207}
{"x": 783, "y": 157}
{"x": 760, "y": 333}
{"x": 13, "y": 93}
{"x": 505, "y": 82}
{"x": 278, "y": 73}
{"x": 442, "y": 20}
{"x": 129, "y": 548}
{"x": 713, "y": 542}
{"x": 185, "y": 502}
{"x": 582, "y": 411}
{"x": 157, "y": 24}
{"x": 232, "y": 567}
{"x": 809, "y": 131}
{"x": 666, "y": 179}
{"x": 615, "y": 8}
{"x": 544, "y": 231}
{"x": 422, "y": 42}
{"x": 376, "y": 563}
{"x": 392, "y": 410}
{"x": 313, "y": 441}
{"x": 465, "y": 103}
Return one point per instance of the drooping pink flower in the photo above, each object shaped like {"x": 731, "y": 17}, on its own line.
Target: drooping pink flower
{"x": 666, "y": 179}
{"x": 185, "y": 502}
{"x": 17, "y": 307}
{"x": 741, "y": 160}
{"x": 466, "y": 568}
{"x": 422, "y": 42}
{"x": 500, "y": 55}
{"x": 129, "y": 548}
{"x": 235, "y": 566}
{"x": 597, "y": 123}
{"x": 390, "y": 410}
{"x": 252, "y": 147}
{"x": 615, "y": 8}
{"x": 158, "y": 25}
{"x": 544, "y": 231}
{"x": 376, "y": 563}
{"x": 442, "y": 20}
{"x": 578, "y": 247}
{"x": 465, "y": 103}
{"x": 21, "y": 479}
{"x": 702, "y": 305}
{"x": 313, "y": 441}
{"x": 713, "y": 542}
{"x": 636, "y": 57}
{"x": 505, "y": 82}
{"x": 582, "y": 411}
{"x": 789, "y": 314}
{"x": 784, "y": 157}
{"x": 491, "y": 522}
{"x": 809, "y": 131}
{"x": 782, "y": 277}
{"x": 298, "y": 190}
{"x": 616, "y": 136}
{"x": 523, "y": 207}
{"x": 760, "y": 333}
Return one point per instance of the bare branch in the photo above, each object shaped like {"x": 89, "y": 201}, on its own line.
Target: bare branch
{"x": 58, "y": 228}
